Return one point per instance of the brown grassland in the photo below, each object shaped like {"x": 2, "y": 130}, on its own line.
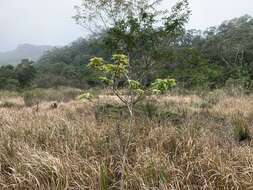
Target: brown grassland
{"x": 180, "y": 142}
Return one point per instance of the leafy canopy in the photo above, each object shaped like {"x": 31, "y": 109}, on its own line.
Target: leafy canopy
{"x": 112, "y": 73}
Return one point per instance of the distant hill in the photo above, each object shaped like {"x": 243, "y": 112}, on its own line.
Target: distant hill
{"x": 28, "y": 51}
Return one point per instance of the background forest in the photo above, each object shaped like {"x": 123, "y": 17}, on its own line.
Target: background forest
{"x": 217, "y": 57}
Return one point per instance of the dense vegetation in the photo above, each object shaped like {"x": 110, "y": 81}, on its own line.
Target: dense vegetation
{"x": 20, "y": 76}
{"x": 208, "y": 59}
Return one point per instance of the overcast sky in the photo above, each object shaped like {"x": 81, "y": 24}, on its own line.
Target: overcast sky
{"x": 49, "y": 22}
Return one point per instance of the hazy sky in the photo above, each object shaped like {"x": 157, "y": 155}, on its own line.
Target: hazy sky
{"x": 49, "y": 22}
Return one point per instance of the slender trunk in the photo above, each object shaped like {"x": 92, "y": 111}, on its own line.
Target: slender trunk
{"x": 126, "y": 147}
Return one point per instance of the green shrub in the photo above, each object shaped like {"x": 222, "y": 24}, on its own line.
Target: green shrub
{"x": 9, "y": 84}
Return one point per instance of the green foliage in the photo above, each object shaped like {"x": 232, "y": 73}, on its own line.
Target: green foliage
{"x": 8, "y": 79}
{"x": 21, "y": 76}
{"x": 161, "y": 86}
{"x": 85, "y": 96}
{"x": 115, "y": 71}
{"x": 97, "y": 64}
{"x": 25, "y": 73}
{"x": 213, "y": 58}
{"x": 135, "y": 87}
{"x": 66, "y": 66}
{"x": 9, "y": 84}
{"x": 105, "y": 80}
{"x": 229, "y": 48}
{"x": 119, "y": 70}
{"x": 217, "y": 57}
{"x": 193, "y": 70}
{"x": 133, "y": 84}
{"x": 132, "y": 28}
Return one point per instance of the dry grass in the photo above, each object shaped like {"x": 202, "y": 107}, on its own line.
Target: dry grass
{"x": 67, "y": 148}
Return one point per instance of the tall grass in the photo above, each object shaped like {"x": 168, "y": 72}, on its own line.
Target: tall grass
{"x": 67, "y": 148}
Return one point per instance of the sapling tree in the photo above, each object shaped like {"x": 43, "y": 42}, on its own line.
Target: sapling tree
{"x": 145, "y": 30}
{"x": 111, "y": 74}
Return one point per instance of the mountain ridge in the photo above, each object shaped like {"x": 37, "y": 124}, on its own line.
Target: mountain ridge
{"x": 23, "y": 51}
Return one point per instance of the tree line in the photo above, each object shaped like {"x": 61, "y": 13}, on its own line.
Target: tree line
{"x": 157, "y": 45}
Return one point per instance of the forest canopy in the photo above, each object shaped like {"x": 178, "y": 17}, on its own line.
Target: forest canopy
{"x": 157, "y": 44}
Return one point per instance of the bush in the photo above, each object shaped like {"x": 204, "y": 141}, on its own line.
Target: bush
{"x": 9, "y": 84}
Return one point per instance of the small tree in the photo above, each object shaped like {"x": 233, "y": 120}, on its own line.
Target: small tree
{"x": 143, "y": 29}
{"x": 111, "y": 75}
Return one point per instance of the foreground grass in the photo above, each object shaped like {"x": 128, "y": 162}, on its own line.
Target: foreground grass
{"x": 180, "y": 142}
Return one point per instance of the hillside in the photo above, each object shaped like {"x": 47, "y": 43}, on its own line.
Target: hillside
{"x": 29, "y": 51}
{"x": 218, "y": 56}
